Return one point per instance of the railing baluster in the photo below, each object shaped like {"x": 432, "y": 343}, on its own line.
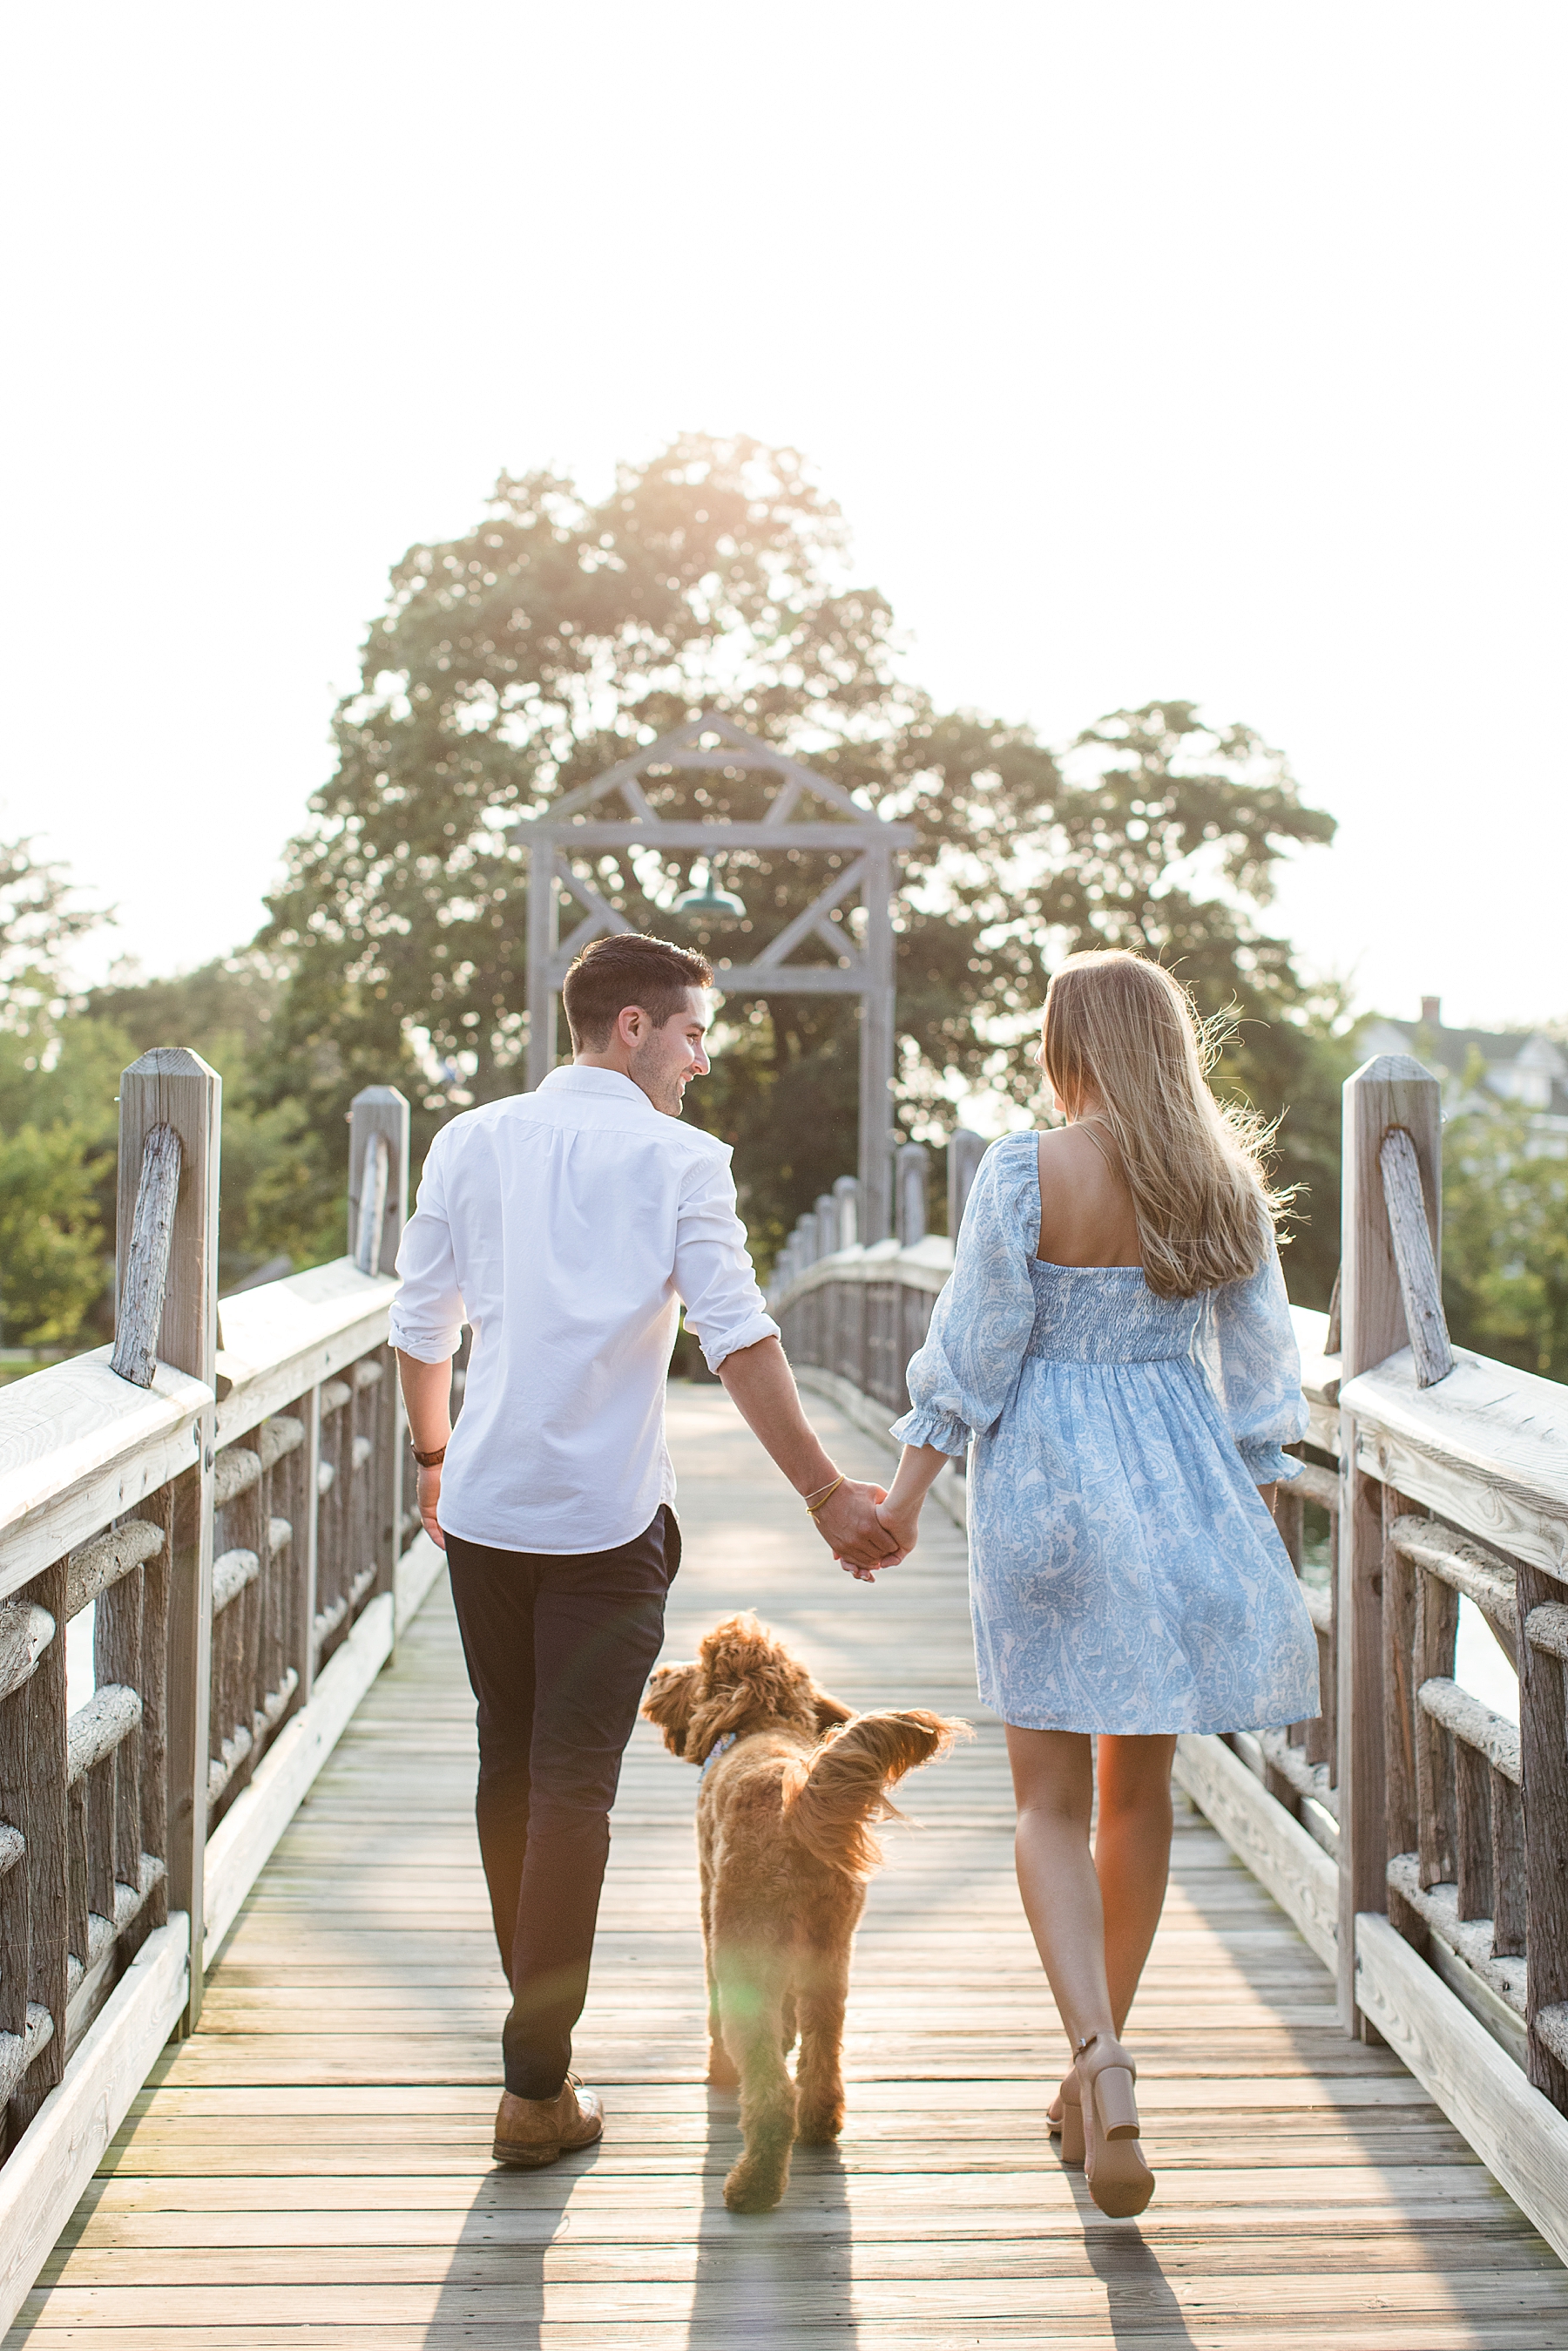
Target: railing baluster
{"x": 1511, "y": 1907}
{"x": 1472, "y": 1844}
{"x": 1432, "y": 1659}
{"x": 1543, "y": 1737}
{"x": 1401, "y": 1680}
{"x": 155, "y": 1712}
{"x": 33, "y": 1762}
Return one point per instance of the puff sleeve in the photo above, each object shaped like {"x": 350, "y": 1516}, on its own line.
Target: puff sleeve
{"x": 1255, "y": 1366}
{"x": 962, "y": 1379}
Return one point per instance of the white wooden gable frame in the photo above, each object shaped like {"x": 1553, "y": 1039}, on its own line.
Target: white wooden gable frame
{"x": 575, "y": 825}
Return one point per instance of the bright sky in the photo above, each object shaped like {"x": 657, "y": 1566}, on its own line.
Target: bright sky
{"x": 1211, "y": 351}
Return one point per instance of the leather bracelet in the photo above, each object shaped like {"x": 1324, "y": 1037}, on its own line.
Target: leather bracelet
{"x": 431, "y": 1460}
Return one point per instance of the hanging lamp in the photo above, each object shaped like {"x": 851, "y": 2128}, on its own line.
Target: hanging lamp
{"x": 710, "y": 903}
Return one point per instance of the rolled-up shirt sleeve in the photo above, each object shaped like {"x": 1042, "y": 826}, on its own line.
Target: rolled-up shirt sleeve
{"x": 428, "y": 1315}
{"x": 713, "y": 1273}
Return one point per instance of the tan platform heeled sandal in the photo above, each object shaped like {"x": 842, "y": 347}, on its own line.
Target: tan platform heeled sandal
{"x": 1118, "y": 2177}
{"x": 1068, "y": 2125}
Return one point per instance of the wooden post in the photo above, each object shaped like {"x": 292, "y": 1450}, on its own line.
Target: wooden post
{"x": 913, "y": 1165}
{"x": 35, "y": 1915}
{"x": 1392, "y": 1091}
{"x": 965, "y": 1151}
{"x": 304, "y": 1544}
{"x": 171, "y": 1086}
{"x": 847, "y": 1192}
{"x": 543, "y": 937}
{"x": 1544, "y": 1728}
{"x": 379, "y": 1116}
{"x": 877, "y": 1045}
{"x": 379, "y": 1109}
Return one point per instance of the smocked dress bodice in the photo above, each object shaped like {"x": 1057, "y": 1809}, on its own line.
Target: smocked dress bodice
{"x": 1105, "y": 1315}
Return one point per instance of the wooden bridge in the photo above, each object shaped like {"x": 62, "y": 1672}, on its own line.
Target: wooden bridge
{"x": 314, "y": 2162}
{"x": 308, "y": 2160}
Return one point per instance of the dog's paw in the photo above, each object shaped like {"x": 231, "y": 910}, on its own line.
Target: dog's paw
{"x": 723, "y": 2074}
{"x": 820, "y": 2126}
{"x": 755, "y": 2186}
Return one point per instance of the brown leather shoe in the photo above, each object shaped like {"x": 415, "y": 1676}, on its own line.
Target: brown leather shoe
{"x": 530, "y": 2132}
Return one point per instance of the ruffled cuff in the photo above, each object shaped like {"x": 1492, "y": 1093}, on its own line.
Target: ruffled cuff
{"x": 930, "y": 1427}
{"x": 1267, "y": 1463}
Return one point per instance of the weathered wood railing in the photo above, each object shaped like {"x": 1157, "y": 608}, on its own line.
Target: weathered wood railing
{"x": 1418, "y": 1836}
{"x": 228, "y": 1505}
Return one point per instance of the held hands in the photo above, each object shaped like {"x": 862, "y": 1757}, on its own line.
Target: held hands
{"x": 849, "y": 1523}
{"x": 899, "y": 1514}
{"x": 898, "y": 1511}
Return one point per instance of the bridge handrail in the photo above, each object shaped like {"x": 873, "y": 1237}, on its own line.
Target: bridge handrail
{"x": 234, "y": 1523}
{"x": 1419, "y": 1841}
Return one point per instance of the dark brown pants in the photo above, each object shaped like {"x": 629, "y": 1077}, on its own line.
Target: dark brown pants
{"x": 559, "y": 1649}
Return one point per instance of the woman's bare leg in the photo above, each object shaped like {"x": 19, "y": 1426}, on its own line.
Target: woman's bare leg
{"x": 1052, "y": 1779}
{"x": 1119, "y": 1911}
{"x": 1132, "y": 1856}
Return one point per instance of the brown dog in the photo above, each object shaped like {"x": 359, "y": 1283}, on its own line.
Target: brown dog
{"x": 791, "y": 1783}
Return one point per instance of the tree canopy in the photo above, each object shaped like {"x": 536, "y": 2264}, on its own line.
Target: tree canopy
{"x": 57, "y": 1116}
{"x": 525, "y": 657}
{"x": 1505, "y": 1237}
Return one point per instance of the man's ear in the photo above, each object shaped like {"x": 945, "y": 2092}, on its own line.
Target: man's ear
{"x": 671, "y": 1697}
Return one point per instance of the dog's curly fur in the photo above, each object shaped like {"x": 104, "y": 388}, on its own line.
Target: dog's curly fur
{"x": 786, "y": 1846}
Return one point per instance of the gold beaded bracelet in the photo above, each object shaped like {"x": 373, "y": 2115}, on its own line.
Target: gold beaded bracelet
{"x": 824, "y": 1497}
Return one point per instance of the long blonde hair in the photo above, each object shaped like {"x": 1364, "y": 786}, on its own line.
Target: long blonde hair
{"x": 1122, "y": 1028}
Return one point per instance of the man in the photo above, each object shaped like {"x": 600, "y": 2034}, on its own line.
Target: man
{"x": 567, "y": 1226}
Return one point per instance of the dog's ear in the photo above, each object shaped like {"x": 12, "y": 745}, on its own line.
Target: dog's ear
{"x": 670, "y": 1700}
{"x": 831, "y": 1712}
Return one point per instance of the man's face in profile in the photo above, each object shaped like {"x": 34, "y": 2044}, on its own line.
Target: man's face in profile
{"x": 664, "y": 1060}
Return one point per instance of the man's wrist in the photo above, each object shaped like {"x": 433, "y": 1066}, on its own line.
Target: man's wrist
{"x": 809, "y": 1487}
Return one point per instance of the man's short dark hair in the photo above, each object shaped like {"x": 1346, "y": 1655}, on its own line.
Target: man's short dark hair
{"x": 625, "y": 968}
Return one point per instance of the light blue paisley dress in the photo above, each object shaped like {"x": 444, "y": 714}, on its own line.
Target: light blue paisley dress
{"x": 1125, "y": 1574}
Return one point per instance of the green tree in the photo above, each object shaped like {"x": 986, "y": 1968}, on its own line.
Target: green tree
{"x": 527, "y": 656}
{"x": 40, "y": 921}
{"x": 281, "y": 1186}
{"x": 51, "y": 1238}
{"x": 1505, "y": 1241}
{"x": 512, "y": 665}
{"x": 55, "y": 1125}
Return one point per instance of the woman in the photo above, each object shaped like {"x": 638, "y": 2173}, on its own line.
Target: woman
{"x": 1116, "y": 1346}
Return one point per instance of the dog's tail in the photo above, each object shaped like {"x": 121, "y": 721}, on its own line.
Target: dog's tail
{"x": 830, "y": 1804}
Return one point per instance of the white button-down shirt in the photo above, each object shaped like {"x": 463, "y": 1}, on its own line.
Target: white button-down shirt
{"x": 567, "y": 1225}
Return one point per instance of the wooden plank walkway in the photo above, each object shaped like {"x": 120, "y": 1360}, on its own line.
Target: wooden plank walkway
{"x": 313, "y": 2167}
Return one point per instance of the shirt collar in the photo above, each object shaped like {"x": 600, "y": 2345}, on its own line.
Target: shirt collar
{"x": 575, "y": 1077}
